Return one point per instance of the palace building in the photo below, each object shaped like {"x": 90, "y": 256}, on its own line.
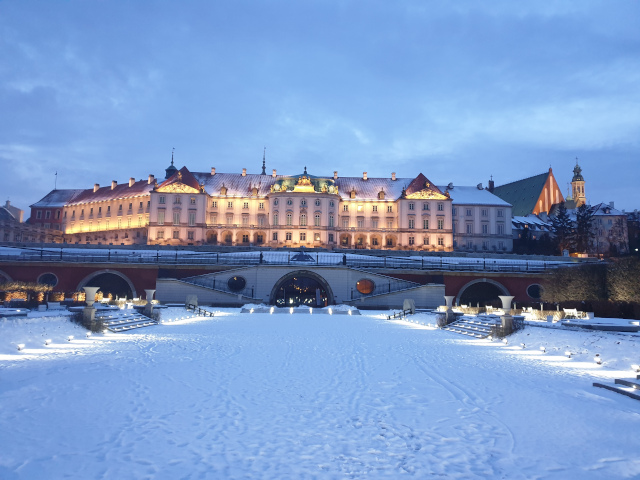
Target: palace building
{"x": 243, "y": 209}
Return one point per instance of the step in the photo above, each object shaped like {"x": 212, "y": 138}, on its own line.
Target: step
{"x": 628, "y": 383}
{"x": 623, "y": 391}
{"x": 472, "y": 330}
{"x": 463, "y": 332}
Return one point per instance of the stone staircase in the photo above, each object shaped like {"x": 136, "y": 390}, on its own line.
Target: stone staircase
{"x": 630, "y": 388}
{"x": 472, "y": 327}
{"x": 124, "y": 320}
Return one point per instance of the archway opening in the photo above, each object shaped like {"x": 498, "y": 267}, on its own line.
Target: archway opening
{"x": 301, "y": 289}
{"x": 481, "y": 293}
{"x": 111, "y": 283}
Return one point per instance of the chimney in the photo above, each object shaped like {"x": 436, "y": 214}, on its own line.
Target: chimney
{"x": 335, "y": 174}
{"x": 244, "y": 172}
{"x": 364, "y": 175}
{"x": 132, "y": 181}
{"x": 7, "y": 205}
{"x": 213, "y": 171}
{"x": 611, "y": 204}
{"x": 273, "y": 174}
{"x": 113, "y": 184}
{"x": 95, "y": 187}
{"x": 491, "y": 185}
{"x": 393, "y": 175}
{"x": 151, "y": 179}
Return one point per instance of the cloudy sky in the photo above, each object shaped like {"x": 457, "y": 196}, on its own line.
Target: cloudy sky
{"x": 104, "y": 90}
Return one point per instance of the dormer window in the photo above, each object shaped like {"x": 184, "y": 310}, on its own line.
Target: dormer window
{"x": 353, "y": 193}
{"x": 381, "y": 195}
{"x": 223, "y": 190}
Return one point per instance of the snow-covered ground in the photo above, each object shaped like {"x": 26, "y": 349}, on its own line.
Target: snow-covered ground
{"x": 311, "y": 396}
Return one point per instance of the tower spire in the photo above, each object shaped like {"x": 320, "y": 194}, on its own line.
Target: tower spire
{"x": 264, "y": 153}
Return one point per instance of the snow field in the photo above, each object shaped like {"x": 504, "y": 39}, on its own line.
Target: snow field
{"x": 312, "y": 396}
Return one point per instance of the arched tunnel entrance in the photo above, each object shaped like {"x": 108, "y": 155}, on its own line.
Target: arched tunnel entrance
{"x": 481, "y": 292}
{"x": 113, "y": 283}
{"x": 301, "y": 288}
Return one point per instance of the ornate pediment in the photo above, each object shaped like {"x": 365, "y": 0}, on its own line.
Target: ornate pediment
{"x": 177, "y": 188}
{"x": 304, "y": 185}
{"x": 426, "y": 194}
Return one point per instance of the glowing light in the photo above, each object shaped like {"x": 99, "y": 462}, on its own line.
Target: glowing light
{"x": 20, "y": 346}
{"x": 291, "y": 310}
{"x": 310, "y": 310}
{"x": 47, "y": 341}
{"x": 349, "y": 312}
{"x": 330, "y": 312}
{"x": 271, "y": 310}
{"x": 251, "y": 311}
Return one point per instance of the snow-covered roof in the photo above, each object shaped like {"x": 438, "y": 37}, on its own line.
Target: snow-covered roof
{"x": 474, "y": 196}
{"x": 57, "y": 198}
{"x": 104, "y": 194}
{"x": 6, "y": 215}
{"x": 530, "y": 220}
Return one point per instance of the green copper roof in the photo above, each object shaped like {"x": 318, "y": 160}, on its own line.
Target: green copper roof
{"x": 522, "y": 194}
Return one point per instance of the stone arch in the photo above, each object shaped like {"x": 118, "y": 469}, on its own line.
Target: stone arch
{"x": 226, "y": 237}
{"x": 361, "y": 240}
{"x": 284, "y": 280}
{"x": 86, "y": 280}
{"x": 376, "y": 241}
{"x": 345, "y": 240}
{"x": 212, "y": 237}
{"x": 390, "y": 241}
{"x": 496, "y": 286}
{"x": 257, "y": 234}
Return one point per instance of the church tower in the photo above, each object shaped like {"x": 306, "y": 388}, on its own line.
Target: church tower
{"x": 577, "y": 186}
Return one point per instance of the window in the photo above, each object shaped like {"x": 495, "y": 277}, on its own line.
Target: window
{"x": 345, "y": 223}
{"x": 275, "y": 219}
{"x": 245, "y": 238}
{"x": 128, "y": 222}
{"x": 331, "y": 203}
{"x": 441, "y": 207}
{"x": 389, "y": 223}
{"x": 331, "y": 220}
{"x": 345, "y": 207}
{"x": 229, "y": 204}
{"x": 469, "y": 213}
{"x": 192, "y": 219}
{"x": 375, "y": 208}
{"x": 485, "y": 212}
{"x": 192, "y": 201}
{"x": 389, "y": 208}
{"x": 259, "y": 238}
{"x": 454, "y": 211}
{"x": 288, "y": 236}
{"x": 176, "y": 234}
{"x": 500, "y": 228}
{"x": 501, "y": 245}
{"x": 425, "y": 224}
{"x": 229, "y": 219}
{"x": 275, "y": 236}
{"x": 374, "y": 241}
{"x": 139, "y": 221}
{"x": 317, "y": 202}
{"x": 316, "y": 220}
{"x": 73, "y": 214}
{"x": 303, "y": 237}
{"x": 425, "y": 206}
{"x": 119, "y": 209}
{"x": 412, "y": 240}
{"x": 303, "y": 203}
{"x": 176, "y": 218}
{"x": 411, "y": 206}
{"x": 425, "y": 240}
{"x": 214, "y": 218}
{"x": 360, "y": 223}
{"x": 470, "y": 245}
{"x": 412, "y": 223}
{"x": 289, "y": 202}
{"x": 289, "y": 219}
{"x": 331, "y": 238}
{"x": 245, "y": 219}
{"x": 161, "y": 200}
{"x": 303, "y": 220}
{"x": 261, "y": 220}
{"x": 316, "y": 237}
{"x": 119, "y": 223}
{"x": 190, "y": 235}
{"x": 485, "y": 228}
{"x": 160, "y": 234}
{"x": 275, "y": 202}
{"x": 374, "y": 223}
{"x": 440, "y": 224}
{"x": 109, "y": 207}
{"x": 500, "y": 213}
{"x": 360, "y": 208}
{"x": 469, "y": 228}
{"x": 214, "y": 204}
{"x": 261, "y": 205}
{"x": 245, "y": 205}
{"x": 485, "y": 245}
{"x": 441, "y": 241}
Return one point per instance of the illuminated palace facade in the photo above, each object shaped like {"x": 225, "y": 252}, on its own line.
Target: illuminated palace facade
{"x": 241, "y": 209}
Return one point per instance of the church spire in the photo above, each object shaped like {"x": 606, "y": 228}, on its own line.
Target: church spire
{"x": 577, "y": 186}
{"x": 169, "y": 171}
{"x": 264, "y": 165}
